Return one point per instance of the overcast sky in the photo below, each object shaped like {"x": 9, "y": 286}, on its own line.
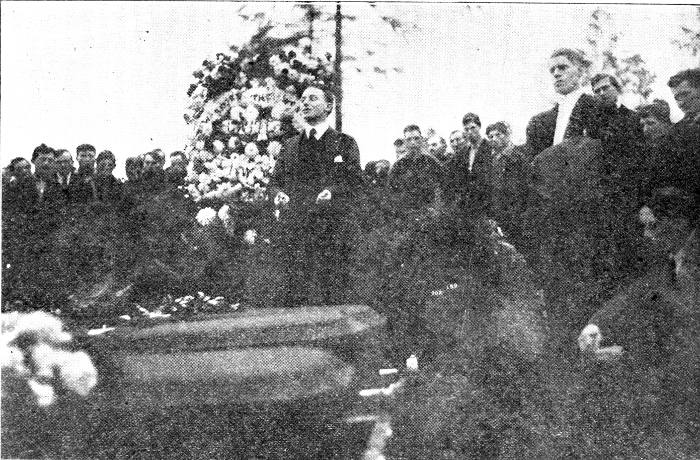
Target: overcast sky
{"x": 115, "y": 74}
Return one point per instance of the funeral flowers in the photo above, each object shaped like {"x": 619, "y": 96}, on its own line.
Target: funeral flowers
{"x": 242, "y": 105}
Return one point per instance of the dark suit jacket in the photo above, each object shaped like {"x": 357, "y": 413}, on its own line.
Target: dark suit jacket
{"x": 585, "y": 117}
{"x": 473, "y": 189}
{"x": 303, "y": 178}
{"x": 675, "y": 162}
{"x": 413, "y": 181}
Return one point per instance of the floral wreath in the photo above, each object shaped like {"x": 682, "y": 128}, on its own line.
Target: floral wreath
{"x": 241, "y": 108}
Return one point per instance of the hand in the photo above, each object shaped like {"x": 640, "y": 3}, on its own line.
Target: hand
{"x": 589, "y": 339}
{"x": 646, "y": 216}
{"x": 324, "y": 196}
{"x": 281, "y": 199}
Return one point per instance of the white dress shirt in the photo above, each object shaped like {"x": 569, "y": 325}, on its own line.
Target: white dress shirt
{"x": 566, "y": 106}
{"x": 473, "y": 148}
{"x": 320, "y": 128}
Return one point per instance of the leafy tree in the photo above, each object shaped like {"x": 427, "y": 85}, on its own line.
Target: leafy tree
{"x": 630, "y": 70}
{"x": 690, "y": 36}
{"x": 342, "y": 28}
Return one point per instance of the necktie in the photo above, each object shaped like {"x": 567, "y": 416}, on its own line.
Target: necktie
{"x": 312, "y": 134}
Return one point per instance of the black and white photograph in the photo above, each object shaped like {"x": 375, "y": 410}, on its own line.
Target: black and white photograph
{"x": 349, "y": 230}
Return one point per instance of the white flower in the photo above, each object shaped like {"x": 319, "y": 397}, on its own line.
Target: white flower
{"x": 235, "y": 113}
{"x": 249, "y": 236}
{"x": 251, "y": 150}
{"x": 204, "y": 179}
{"x": 227, "y": 126}
{"x": 304, "y": 42}
{"x": 251, "y": 113}
{"x": 77, "y": 372}
{"x": 199, "y": 145}
{"x": 199, "y": 92}
{"x": 274, "y": 148}
{"x": 278, "y": 110}
{"x": 206, "y": 216}
{"x": 206, "y": 129}
{"x": 218, "y": 146}
{"x": 224, "y": 212}
{"x": 275, "y": 60}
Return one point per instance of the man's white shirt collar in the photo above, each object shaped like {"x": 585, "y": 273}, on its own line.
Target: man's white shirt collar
{"x": 320, "y": 128}
{"x": 567, "y": 102}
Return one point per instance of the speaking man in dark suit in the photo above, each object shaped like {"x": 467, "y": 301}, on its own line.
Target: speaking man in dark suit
{"x": 575, "y": 114}
{"x": 314, "y": 182}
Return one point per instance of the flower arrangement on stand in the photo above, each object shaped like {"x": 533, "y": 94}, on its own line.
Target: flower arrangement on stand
{"x": 241, "y": 108}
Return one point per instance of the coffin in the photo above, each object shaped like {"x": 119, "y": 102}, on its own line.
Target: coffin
{"x": 267, "y": 383}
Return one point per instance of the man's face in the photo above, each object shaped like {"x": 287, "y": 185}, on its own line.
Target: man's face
{"x": 606, "y": 92}
{"x": 437, "y": 146}
{"x": 64, "y": 163}
{"x": 105, "y": 167}
{"x": 314, "y": 107}
{"x": 400, "y": 151}
{"x": 22, "y": 169}
{"x": 498, "y": 140}
{"x": 133, "y": 171}
{"x": 413, "y": 141}
{"x": 457, "y": 141}
{"x": 159, "y": 157}
{"x": 653, "y": 128}
{"x": 687, "y": 97}
{"x": 178, "y": 162}
{"x": 45, "y": 165}
{"x": 566, "y": 75}
{"x": 150, "y": 164}
{"x": 471, "y": 132}
{"x": 86, "y": 159}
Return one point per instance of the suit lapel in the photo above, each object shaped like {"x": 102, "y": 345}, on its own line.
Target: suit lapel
{"x": 332, "y": 144}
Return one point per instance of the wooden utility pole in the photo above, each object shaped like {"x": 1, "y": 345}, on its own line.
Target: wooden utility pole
{"x": 338, "y": 69}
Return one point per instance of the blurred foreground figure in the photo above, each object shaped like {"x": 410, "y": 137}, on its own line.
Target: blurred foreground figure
{"x": 641, "y": 347}
{"x": 38, "y": 370}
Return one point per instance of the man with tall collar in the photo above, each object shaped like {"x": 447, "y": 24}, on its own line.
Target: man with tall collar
{"x": 575, "y": 114}
{"x": 314, "y": 183}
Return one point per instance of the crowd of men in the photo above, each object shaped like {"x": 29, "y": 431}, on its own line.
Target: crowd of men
{"x": 488, "y": 168}
{"x": 56, "y": 182}
{"x": 592, "y": 178}
{"x": 642, "y": 159}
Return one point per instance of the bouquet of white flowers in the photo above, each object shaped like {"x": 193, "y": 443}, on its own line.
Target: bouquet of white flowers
{"x": 240, "y": 109}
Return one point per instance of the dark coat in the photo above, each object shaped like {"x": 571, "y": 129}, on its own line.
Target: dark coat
{"x": 675, "y": 162}
{"x": 585, "y": 118}
{"x": 82, "y": 188}
{"x": 109, "y": 189}
{"x": 413, "y": 181}
{"x": 472, "y": 189}
{"x": 314, "y": 239}
{"x": 303, "y": 178}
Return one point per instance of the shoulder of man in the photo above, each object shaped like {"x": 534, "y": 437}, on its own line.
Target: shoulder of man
{"x": 544, "y": 115}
